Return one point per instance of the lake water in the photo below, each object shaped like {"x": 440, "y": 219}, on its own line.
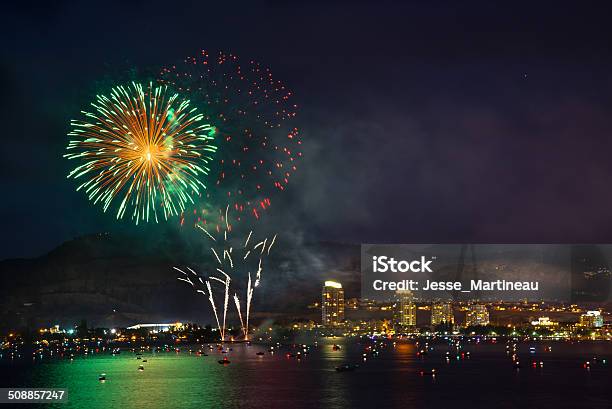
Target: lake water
{"x": 390, "y": 380}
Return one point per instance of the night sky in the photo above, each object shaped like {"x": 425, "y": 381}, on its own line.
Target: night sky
{"x": 445, "y": 122}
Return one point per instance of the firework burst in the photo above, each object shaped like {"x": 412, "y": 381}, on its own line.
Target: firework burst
{"x": 143, "y": 146}
{"x": 259, "y": 143}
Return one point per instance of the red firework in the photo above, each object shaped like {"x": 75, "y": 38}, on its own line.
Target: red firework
{"x": 259, "y": 145}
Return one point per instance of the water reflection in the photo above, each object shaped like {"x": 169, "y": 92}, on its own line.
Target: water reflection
{"x": 388, "y": 378}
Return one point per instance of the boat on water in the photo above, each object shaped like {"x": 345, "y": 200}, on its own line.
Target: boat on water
{"x": 336, "y": 347}
{"x": 428, "y": 373}
{"x": 224, "y": 361}
{"x": 102, "y": 377}
{"x": 260, "y": 353}
{"x": 347, "y": 367}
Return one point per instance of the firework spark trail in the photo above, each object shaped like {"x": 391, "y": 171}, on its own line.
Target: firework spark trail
{"x": 187, "y": 280}
{"x": 226, "y": 283}
{"x": 237, "y": 302}
{"x": 214, "y": 307}
{"x": 206, "y": 231}
{"x": 226, "y": 221}
{"x": 248, "y": 306}
{"x": 259, "y": 244}
{"x": 259, "y": 271}
{"x": 179, "y": 270}
{"x": 271, "y": 244}
{"x": 143, "y": 147}
{"x": 216, "y": 256}
{"x": 229, "y": 257}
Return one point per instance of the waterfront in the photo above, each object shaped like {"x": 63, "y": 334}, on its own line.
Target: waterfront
{"x": 477, "y": 375}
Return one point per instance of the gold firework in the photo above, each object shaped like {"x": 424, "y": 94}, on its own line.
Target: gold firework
{"x": 143, "y": 146}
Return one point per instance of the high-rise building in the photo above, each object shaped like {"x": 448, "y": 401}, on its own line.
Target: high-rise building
{"x": 332, "y": 303}
{"x": 442, "y": 313}
{"x": 592, "y": 319}
{"x": 477, "y": 314}
{"x": 405, "y": 309}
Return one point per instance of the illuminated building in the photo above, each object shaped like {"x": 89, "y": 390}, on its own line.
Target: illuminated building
{"x": 477, "y": 314}
{"x": 332, "y": 303}
{"x": 367, "y": 305}
{"x": 352, "y": 304}
{"x": 405, "y": 309}
{"x": 544, "y": 322}
{"x": 442, "y": 313}
{"x": 592, "y": 319}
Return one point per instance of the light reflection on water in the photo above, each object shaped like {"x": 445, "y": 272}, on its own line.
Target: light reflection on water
{"x": 276, "y": 381}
